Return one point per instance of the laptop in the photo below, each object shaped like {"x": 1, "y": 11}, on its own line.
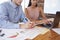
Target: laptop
{"x": 54, "y": 24}
{"x": 56, "y": 20}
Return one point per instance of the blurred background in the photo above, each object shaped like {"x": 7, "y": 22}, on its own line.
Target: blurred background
{"x": 49, "y": 6}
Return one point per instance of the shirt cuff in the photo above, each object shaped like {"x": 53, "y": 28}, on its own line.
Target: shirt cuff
{"x": 13, "y": 26}
{"x": 16, "y": 26}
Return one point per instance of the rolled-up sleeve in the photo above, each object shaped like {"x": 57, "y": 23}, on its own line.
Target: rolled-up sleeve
{"x": 24, "y": 18}
{"x": 4, "y": 20}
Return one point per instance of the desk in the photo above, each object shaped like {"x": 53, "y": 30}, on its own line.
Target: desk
{"x": 37, "y": 33}
{"x": 53, "y": 34}
{"x": 23, "y": 33}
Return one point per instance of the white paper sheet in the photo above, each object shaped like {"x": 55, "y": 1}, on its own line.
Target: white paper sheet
{"x": 23, "y": 33}
{"x": 57, "y": 30}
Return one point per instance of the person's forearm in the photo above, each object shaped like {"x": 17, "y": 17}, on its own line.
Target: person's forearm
{"x": 44, "y": 17}
{"x": 8, "y": 25}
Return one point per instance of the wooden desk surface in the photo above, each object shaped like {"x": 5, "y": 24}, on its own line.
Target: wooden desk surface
{"x": 33, "y": 34}
{"x": 50, "y": 35}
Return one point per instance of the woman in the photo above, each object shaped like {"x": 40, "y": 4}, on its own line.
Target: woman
{"x": 33, "y": 12}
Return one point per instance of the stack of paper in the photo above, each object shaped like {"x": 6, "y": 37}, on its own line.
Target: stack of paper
{"x": 23, "y": 33}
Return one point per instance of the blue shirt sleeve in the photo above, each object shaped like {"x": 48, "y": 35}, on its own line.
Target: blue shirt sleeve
{"x": 23, "y": 17}
{"x": 4, "y": 22}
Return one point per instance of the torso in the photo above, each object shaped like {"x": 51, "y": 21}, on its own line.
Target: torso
{"x": 13, "y": 16}
{"x": 33, "y": 13}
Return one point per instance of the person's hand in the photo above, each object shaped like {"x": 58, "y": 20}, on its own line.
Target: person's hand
{"x": 46, "y": 21}
{"x": 30, "y": 25}
{"x": 27, "y": 25}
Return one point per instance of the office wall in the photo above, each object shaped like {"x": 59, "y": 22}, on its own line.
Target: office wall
{"x": 1, "y": 1}
{"x": 51, "y": 6}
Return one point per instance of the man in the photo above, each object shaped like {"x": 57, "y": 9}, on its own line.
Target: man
{"x": 11, "y": 14}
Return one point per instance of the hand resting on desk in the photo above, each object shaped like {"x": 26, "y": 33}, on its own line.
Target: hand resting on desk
{"x": 27, "y": 25}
